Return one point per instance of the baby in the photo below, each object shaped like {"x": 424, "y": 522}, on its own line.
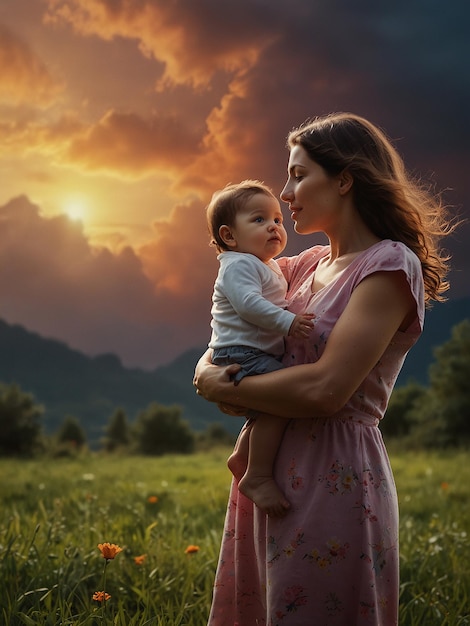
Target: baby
{"x": 250, "y": 320}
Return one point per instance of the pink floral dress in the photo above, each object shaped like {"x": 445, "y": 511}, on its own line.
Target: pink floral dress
{"x": 333, "y": 559}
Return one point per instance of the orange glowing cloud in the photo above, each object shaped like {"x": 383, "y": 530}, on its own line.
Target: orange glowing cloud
{"x": 226, "y": 149}
{"x": 201, "y": 151}
{"x": 119, "y": 144}
{"x": 31, "y": 134}
{"x": 125, "y": 143}
{"x": 25, "y": 78}
{"x": 181, "y": 35}
{"x": 147, "y": 306}
{"x": 179, "y": 260}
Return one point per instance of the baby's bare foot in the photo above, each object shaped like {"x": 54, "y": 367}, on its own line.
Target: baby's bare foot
{"x": 264, "y": 492}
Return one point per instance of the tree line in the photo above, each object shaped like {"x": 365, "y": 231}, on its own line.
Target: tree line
{"x": 432, "y": 416}
{"x": 437, "y": 415}
{"x": 157, "y": 430}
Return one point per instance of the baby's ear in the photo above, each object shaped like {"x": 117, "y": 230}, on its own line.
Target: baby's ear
{"x": 225, "y": 233}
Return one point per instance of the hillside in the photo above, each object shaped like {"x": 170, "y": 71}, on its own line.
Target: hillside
{"x": 68, "y": 382}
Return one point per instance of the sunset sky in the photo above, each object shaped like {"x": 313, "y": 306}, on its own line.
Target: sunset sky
{"x": 119, "y": 118}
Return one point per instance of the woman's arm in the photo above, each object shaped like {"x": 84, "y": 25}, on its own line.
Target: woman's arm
{"x": 379, "y": 306}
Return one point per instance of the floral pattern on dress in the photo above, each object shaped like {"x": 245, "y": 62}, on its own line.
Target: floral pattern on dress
{"x": 374, "y": 478}
{"x": 334, "y": 551}
{"x": 273, "y": 552}
{"x": 366, "y": 512}
{"x": 292, "y": 598}
{"x": 340, "y": 479}
{"x": 292, "y": 546}
{"x": 296, "y": 481}
{"x": 377, "y": 556}
{"x": 333, "y": 604}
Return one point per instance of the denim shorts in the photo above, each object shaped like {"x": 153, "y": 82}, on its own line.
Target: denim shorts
{"x": 252, "y": 361}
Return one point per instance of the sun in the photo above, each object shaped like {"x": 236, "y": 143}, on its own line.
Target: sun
{"x": 75, "y": 210}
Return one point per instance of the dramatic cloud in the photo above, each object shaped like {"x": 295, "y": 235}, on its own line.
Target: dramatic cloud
{"x": 193, "y": 40}
{"x": 29, "y": 134}
{"x": 263, "y": 72}
{"x": 52, "y": 281}
{"x": 148, "y": 107}
{"x": 25, "y": 77}
{"x": 118, "y": 144}
{"x": 126, "y": 143}
{"x": 170, "y": 260}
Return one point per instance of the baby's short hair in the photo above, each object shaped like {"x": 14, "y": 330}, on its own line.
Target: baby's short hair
{"x": 226, "y": 203}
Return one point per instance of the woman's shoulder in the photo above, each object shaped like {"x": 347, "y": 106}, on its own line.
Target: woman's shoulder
{"x": 390, "y": 255}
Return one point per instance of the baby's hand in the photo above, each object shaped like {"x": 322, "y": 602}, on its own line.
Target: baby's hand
{"x": 301, "y": 326}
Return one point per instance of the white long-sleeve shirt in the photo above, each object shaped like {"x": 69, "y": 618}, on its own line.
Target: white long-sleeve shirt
{"x": 248, "y": 304}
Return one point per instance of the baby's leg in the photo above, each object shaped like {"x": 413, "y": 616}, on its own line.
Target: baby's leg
{"x": 238, "y": 460}
{"x": 258, "y": 483}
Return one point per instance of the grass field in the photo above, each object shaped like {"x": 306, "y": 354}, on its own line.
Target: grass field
{"x": 168, "y": 512}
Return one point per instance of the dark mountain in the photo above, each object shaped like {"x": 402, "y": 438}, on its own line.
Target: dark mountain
{"x": 68, "y": 382}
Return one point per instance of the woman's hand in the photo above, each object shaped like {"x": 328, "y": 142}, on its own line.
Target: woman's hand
{"x": 212, "y": 382}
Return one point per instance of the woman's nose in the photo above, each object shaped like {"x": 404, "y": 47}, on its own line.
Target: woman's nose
{"x": 286, "y": 193}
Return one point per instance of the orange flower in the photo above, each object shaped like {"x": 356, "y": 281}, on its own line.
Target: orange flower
{"x": 152, "y": 499}
{"x": 109, "y": 550}
{"x": 101, "y": 596}
{"x": 191, "y": 549}
{"x": 139, "y": 560}
{"x": 444, "y": 486}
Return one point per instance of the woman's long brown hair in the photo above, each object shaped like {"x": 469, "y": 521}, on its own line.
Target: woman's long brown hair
{"x": 391, "y": 203}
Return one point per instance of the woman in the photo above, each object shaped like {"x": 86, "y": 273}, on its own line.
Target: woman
{"x": 332, "y": 560}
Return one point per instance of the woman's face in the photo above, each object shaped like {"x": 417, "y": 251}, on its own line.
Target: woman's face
{"x": 313, "y": 196}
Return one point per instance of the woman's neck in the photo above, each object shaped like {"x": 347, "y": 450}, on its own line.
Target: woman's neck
{"x": 352, "y": 237}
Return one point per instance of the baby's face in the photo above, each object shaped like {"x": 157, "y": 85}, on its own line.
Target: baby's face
{"x": 259, "y": 228}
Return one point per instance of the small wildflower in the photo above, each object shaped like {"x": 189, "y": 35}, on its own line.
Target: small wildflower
{"x": 191, "y": 549}
{"x": 152, "y": 499}
{"x": 101, "y": 596}
{"x": 109, "y": 550}
{"x": 444, "y": 486}
{"x": 139, "y": 560}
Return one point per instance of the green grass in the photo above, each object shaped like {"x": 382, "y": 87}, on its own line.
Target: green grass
{"x": 55, "y": 512}
{"x": 434, "y": 497}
